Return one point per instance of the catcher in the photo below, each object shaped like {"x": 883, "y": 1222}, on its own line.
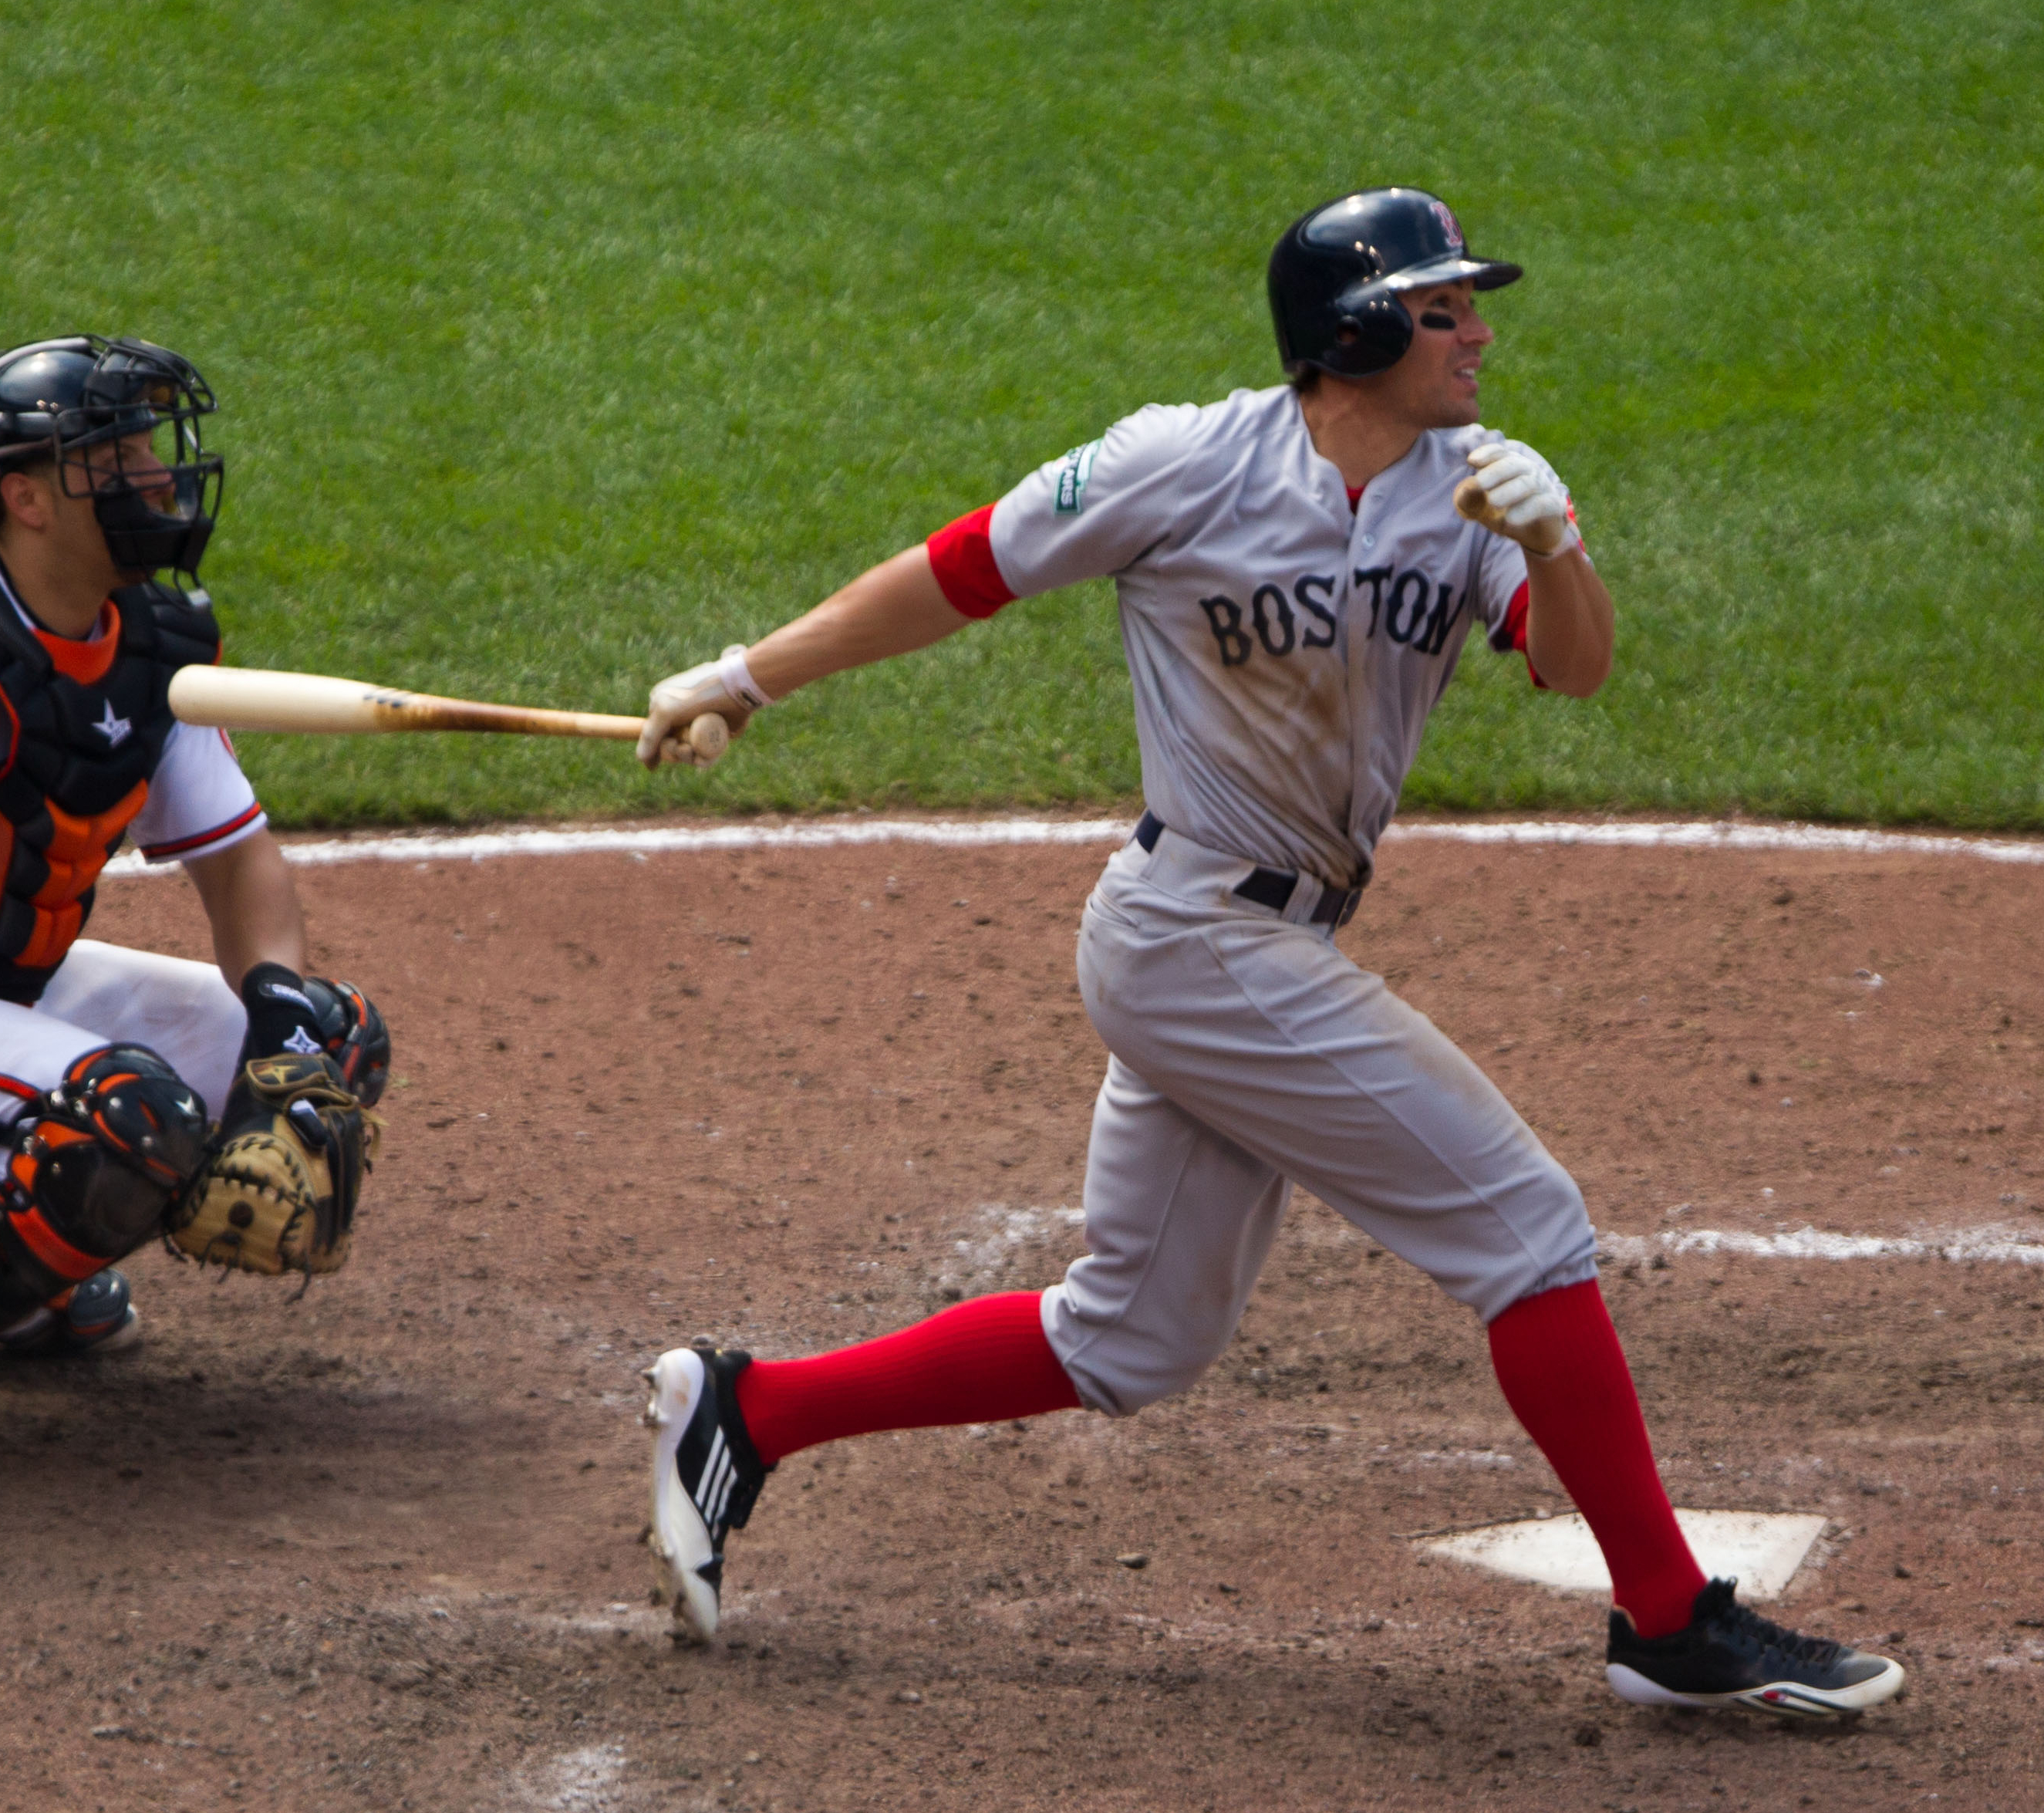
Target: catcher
{"x": 113, "y": 1063}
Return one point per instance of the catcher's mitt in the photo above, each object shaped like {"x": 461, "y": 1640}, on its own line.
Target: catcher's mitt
{"x": 277, "y": 1190}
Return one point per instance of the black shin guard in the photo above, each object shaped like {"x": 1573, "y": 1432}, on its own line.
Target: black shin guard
{"x": 92, "y": 1164}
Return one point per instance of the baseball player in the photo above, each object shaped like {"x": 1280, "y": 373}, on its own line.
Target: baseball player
{"x": 1295, "y": 583}
{"x": 115, "y": 1063}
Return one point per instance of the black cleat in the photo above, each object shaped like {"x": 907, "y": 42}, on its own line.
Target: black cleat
{"x": 1729, "y": 1655}
{"x": 706, "y": 1477}
{"x": 95, "y": 1317}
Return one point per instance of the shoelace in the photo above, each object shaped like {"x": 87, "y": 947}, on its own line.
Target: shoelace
{"x": 1818, "y": 1652}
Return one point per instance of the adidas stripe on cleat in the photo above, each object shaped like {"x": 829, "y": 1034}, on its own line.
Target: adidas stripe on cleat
{"x": 1729, "y": 1655}
{"x": 706, "y": 1478}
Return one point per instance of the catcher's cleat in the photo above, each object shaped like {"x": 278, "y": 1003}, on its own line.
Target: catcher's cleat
{"x": 95, "y": 1317}
{"x": 706, "y": 1477}
{"x": 1729, "y": 1655}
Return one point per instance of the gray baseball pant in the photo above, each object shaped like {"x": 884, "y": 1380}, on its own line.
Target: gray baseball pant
{"x": 1247, "y": 1054}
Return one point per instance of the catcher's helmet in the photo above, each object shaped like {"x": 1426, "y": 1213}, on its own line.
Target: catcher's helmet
{"x": 1336, "y": 274}
{"x": 59, "y": 397}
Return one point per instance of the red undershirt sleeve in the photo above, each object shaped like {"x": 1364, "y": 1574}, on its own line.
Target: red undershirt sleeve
{"x": 1515, "y": 627}
{"x": 962, "y": 557}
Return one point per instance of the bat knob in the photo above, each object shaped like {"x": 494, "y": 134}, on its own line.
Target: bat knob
{"x": 1471, "y": 500}
{"x": 709, "y": 737}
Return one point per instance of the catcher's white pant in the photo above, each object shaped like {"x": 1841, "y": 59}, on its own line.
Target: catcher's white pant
{"x": 1249, "y": 1054}
{"x": 104, "y": 995}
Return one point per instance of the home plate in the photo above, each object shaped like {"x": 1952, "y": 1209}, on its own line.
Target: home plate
{"x": 1762, "y": 1549}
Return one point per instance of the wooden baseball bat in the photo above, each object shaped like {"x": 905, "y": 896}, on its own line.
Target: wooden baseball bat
{"x": 253, "y": 698}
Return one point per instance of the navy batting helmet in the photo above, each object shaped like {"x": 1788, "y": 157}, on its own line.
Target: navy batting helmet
{"x": 60, "y": 397}
{"x": 1336, "y": 274}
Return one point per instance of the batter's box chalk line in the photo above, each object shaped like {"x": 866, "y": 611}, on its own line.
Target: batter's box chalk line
{"x": 1762, "y": 1549}
{"x": 1992, "y": 1244}
{"x": 967, "y": 833}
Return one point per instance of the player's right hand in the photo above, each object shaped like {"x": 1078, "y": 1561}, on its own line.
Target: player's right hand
{"x": 676, "y": 702}
{"x": 1522, "y": 498}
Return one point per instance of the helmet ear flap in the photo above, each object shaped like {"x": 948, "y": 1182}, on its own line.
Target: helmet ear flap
{"x": 1372, "y": 332}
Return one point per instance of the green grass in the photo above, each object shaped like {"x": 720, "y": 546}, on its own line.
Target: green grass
{"x": 560, "y": 343}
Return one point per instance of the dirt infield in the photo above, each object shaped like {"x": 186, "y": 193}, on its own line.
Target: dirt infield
{"x": 376, "y": 1549}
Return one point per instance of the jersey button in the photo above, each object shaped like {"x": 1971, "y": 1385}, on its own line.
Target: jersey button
{"x": 1369, "y": 541}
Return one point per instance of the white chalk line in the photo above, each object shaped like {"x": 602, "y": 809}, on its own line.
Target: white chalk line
{"x": 480, "y": 846}
{"x": 1999, "y": 1242}
{"x": 1993, "y": 1243}
{"x": 1720, "y": 834}
{"x": 966, "y": 834}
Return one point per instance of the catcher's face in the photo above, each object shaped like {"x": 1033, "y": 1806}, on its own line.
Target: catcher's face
{"x": 131, "y": 461}
{"x": 1435, "y": 385}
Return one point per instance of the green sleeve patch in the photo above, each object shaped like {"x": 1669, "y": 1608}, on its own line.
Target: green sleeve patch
{"x": 1072, "y": 478}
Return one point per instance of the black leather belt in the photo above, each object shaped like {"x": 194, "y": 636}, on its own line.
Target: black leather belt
{"x": 1270, "y": 887}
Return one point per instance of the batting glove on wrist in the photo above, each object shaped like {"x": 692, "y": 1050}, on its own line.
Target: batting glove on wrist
{"x": 1516, "y": 493}
{"x": 724, "y": 686}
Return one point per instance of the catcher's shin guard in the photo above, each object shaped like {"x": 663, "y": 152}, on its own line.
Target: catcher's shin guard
{"x": 91, "y": 1167}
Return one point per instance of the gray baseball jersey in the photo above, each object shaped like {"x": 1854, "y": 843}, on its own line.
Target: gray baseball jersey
{"x": 1284, "y": 651}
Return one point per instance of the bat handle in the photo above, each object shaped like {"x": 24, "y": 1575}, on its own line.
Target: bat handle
{"x": 1472, "y": 500}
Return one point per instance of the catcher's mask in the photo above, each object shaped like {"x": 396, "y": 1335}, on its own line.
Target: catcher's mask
{"x": 120, "y": 420}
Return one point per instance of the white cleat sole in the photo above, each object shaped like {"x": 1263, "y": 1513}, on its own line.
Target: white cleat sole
{"x": 1790, "y": 1699}
{"x": 679, "y": 1539}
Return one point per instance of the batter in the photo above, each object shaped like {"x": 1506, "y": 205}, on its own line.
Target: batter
{"x": 1296, "y": 587}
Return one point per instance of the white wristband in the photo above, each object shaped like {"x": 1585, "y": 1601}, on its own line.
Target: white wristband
{"x": 737, "y": 678}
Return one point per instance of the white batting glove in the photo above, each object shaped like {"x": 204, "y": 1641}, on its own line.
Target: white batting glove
{"x": 1521, "y": 498}
{"x": 724, "y": 686}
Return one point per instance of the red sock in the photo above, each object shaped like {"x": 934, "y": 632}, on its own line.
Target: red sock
{"x": 981, "y": 1361}
{"x": 1565, "y": 1376}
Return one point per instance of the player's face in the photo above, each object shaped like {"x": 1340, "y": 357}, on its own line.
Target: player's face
{"x": 134, "y": 459}
{"x": 1436, "y": 380}
{"x": 77, "y": 541}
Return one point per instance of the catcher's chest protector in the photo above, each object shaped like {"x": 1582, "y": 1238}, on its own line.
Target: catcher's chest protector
{"x": 82, "y": 726}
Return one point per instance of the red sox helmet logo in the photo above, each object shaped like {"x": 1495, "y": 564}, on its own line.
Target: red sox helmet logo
{"x": 1447, "y": 220}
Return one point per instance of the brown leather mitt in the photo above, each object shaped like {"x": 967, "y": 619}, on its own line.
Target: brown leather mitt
{"x": 283, "y": 1173}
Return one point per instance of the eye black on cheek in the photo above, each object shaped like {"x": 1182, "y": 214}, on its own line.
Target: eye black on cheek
{"x": 1437, "y": 320}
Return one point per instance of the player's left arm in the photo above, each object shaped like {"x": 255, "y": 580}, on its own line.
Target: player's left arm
{"x": 1568, "y": 621}
{"x": 1569, "y": 617}
{"x": 252, "y": 905}
{"x": 285, "y": 1168}
{"x": 1083, "y": 516}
